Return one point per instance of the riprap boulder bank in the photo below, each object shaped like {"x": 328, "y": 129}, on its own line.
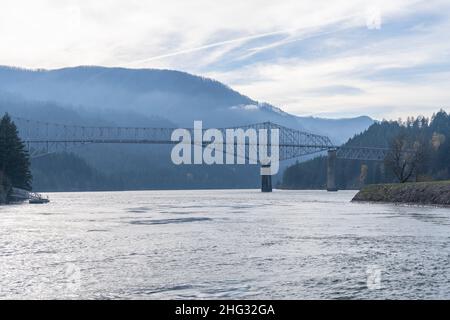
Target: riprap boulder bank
{"x": 432, "y": 193}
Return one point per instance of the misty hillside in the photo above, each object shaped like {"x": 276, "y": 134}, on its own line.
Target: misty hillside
{"x": 120, "y": 95}
{"x": 146, "y": 98}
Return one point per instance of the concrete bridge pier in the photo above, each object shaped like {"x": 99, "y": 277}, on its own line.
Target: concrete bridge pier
{"x": 266, "y": 178}
{"x": 331, "y": 170}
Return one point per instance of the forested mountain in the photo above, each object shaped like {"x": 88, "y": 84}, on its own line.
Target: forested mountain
{"x": 70, "y": 172}
{"x": 96, "y": 96}
{"x": 433, "y": 135}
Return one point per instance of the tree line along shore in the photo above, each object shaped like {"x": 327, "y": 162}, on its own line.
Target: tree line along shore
{"x": 14, "y": 161}
{"x": 420, "y": 152}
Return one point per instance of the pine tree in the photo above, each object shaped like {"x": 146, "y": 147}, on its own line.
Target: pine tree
{"x": 14, "y": 158}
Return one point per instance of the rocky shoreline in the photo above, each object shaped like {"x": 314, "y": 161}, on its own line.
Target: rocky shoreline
{"x": 427, "y": 193}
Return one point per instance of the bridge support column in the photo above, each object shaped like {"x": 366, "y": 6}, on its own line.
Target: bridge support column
{"x": 266, "y": 178}
{"x": 331, "y": 170}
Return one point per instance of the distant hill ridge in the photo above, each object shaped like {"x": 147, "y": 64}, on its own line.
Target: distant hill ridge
{"x": 171, "y": 96}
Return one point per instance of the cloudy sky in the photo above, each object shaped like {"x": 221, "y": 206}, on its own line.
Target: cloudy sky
{"x": 328, "y": 58}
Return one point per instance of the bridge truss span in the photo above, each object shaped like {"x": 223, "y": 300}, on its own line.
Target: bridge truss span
{"x": 43, "y": 138}
{"x": 362, "y": 153}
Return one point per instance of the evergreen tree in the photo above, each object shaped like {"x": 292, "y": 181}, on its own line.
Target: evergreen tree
{"x": 14, "y": 158}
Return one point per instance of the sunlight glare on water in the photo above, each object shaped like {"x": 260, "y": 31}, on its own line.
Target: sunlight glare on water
{"x": 222, "y": 244}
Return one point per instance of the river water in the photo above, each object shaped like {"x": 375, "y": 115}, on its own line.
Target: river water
{"x": 225, "y": 244}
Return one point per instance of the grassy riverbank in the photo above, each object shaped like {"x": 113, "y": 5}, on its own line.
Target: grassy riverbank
{"x": 436, "y": 193}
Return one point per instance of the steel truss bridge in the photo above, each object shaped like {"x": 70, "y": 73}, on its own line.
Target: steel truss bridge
{"x": 43, "y": 138}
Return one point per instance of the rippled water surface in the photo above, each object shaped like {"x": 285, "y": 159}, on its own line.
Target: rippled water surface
{"x": 222, "y": 244}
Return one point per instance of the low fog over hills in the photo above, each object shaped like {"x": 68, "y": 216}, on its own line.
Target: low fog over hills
{"x": 145, "y": 97}
{"x": 175, "y": 96}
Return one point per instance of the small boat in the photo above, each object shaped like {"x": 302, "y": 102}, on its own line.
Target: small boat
{"x": 39, "y": 200}
{"x": 20, "y": 195}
